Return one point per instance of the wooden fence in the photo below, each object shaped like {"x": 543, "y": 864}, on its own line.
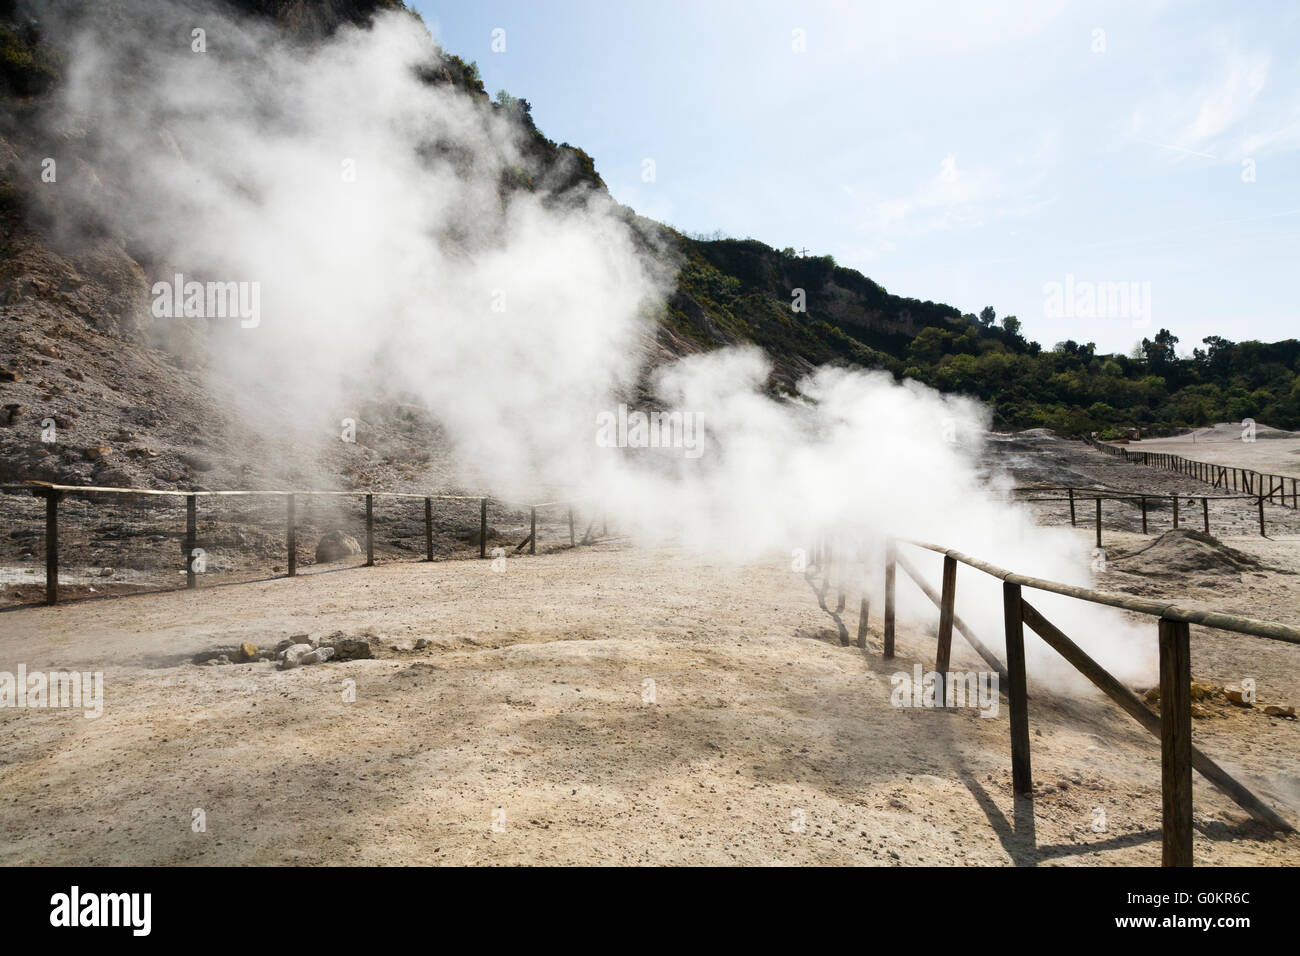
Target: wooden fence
{"x": 1227, "y": 477}
{"x": 1172, "y": 726}
{"x": 1075, "y": 496}
{"x": 53, "y": 494}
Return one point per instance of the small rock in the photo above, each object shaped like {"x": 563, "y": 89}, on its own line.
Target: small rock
{"x": 334, "y": 546}
{"x": 292, "y": 654}
{"x": 302, "y": 654}
{"x": 1276, "y": 710}
{"x": 195, "y": 462}
{"x": 349, "y": 648}
{"x": 1236, "y": 696}
{"x": 246, "y": 652}
{"x": 96, "y": 452}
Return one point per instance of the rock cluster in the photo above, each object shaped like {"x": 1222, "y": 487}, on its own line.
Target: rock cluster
{"x": 1205, "y": 694}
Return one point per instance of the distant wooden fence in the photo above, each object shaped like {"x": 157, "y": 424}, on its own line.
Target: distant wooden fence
{"x": 1075, "y": 496}
{"x": 53, "y": 494}
{"x": 1254, "y": 483}
{"x": 1173, "y": 725}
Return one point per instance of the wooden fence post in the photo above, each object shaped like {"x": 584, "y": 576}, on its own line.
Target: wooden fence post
{"x": 891, "y": 567}
{"x": 370, "y": 530}
{"x": 840, "y": 596}
{"x": 1144, "y": 514}
{"x": 191, "y": 538}
{"x": 428, "y": 529}
{"x": 532, "y": 532}
{"x": 1099, "y": 521}
{"x": 1261, "y": 517}
{"x": 946, "y": 608}
{"x": 1205, "y": 512}
{"x": 482, "y": 528}
{"x": 1175, "y": 512}
{"x": 1072, "y": 521}
{"x": 52, "y": 546}
{"x": 1017, "y": 693}
{"x": 862, "y": 623}
{"x": 1176, "y": 742}
{"x": 291, "y": 532}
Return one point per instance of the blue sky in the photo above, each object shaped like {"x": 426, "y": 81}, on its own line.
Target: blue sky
{"x": 969, "y": 153}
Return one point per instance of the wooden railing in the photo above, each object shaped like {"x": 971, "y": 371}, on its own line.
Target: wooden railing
{"x": 53, "y": 494}
{"x": 1230, "y": 478}
{"x": 1075, "y": 495}
{"x": 1173, "y": 725}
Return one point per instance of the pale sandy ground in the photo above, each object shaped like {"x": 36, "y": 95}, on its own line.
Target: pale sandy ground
{"x": 529, "y": 698}
{"x": 1223, "y": 445}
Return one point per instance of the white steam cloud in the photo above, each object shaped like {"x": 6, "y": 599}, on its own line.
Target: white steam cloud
{"x": 232, "y": 165}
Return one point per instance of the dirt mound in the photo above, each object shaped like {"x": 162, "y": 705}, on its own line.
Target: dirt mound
{"x": 1232, "y": 431}
{"x": 1197, "y": 557}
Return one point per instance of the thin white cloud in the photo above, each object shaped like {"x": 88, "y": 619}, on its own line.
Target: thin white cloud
{"x": 952, "y": 198}
{"x": 1227, "y": 116}
{"x": 1227, "y": 104}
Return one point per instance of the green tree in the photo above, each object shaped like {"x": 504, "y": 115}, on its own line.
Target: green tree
{"x": 1159, "y": 352}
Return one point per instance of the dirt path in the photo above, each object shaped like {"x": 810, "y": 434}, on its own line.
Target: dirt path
{"x": 1271, "y": 452}
{"x": 766, "y": 741}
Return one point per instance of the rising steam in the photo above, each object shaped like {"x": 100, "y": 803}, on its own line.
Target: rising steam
{"x": 230, "y": 165}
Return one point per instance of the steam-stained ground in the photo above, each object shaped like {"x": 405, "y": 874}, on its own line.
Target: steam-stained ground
{"x": 529, "y": 698}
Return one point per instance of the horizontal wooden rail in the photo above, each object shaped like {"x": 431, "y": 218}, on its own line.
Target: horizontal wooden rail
{"x": 40, "y": 487}
{"x": 1089, "y": 495}
{"x": 1171, "y": 612}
